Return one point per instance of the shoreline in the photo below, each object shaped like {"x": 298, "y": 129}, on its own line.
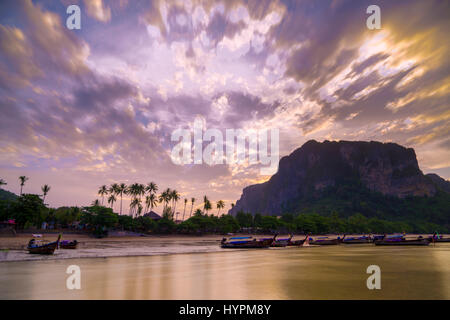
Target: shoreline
{"x": 13, "y": 249}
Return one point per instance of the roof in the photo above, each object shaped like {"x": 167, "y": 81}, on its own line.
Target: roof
{"x": 153, "y": 215}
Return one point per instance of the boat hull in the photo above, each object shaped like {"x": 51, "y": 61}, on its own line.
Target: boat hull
{"x": 330, "y": 242}
{"x": 439, "y": 240}
{"x": 44, "y": 249}
{"x": 356, "y": 241}
{"x": 402, "y": 243}
{"x": 248, "y": 245}
{"x": 68, "y": 245}
{"x": 296, "y": 243}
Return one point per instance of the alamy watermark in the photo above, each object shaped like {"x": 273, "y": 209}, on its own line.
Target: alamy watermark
{"x": 374, "y": 281}
{"x": 191, "y": 148}
{"x": 74, "y": 280}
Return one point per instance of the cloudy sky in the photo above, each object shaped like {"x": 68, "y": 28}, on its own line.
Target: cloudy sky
{"x": 82, "y": 108}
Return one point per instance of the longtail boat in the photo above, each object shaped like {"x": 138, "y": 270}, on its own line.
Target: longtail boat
{"x": 66, "y": 244}
{"x": 438, "y": 238}
{"x": 298, "y": 242}
{"x": 402, "y": 241}
{"x": 281, "y": 242}
{"x": 324, "y": 241}
{"x": 358, "y": 240}
{"x": 246, "y": 243}
{"x": 40, "y": 247}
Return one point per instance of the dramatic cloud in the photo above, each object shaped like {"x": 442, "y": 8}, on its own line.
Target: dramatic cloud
{"x": 81, "y": 108}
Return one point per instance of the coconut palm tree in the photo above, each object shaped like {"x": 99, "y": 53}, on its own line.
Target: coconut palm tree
{"x": 220, "y": 205}
{"x": 206, "y": 204}
{"x": 2, "y": 182}
{"x": 175, "y": 196}
{"x": 102, "y": 191}
{"x": 45, "y": 189}
{"x": 96, "y": 202}
{"x": 184, "y": 211}
{"x": 134, "y": 205}
{"x": 150, "y": 201}
{"x": 151, "y": 187}
{"x": 121, "y": 189}
{"x": 22, "y": 180}
{"x": 113, "y": 189}
{"x": 165, "y": 197}
{"x": 112, "y": 198}
{"x": 192, "y": 206}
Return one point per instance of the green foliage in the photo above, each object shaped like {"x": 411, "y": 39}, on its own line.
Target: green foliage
{"x": 98, "y": 217}
{"x": 245, "y": 220}
{"x": 145, "y": 224}
{"x": 28, "y": 208}
{"x": 269, "y": 223}
{"x": 165, "y": 225}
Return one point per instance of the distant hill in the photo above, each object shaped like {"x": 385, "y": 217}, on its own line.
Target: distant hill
{"x": 439, "y": 182}
{"x": 375, "y": 179}
{"x": 6, "y": 195}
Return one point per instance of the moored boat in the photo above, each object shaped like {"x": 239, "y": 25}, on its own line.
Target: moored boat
{"x": 358, "y": 240}
{"x": 281, "y": 242}
{"x": 66, "y": 244}
{"x": 324, "y": 241}
{"x": 402, "y": 241}
{"x": 40, "y": 247}
{"x": 246, "y": 243}
{"x": 438, "y": 238}
{"x": 298, "y": 242}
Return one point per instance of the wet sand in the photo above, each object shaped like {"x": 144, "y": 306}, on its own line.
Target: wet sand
{"x": 14, "y": 248}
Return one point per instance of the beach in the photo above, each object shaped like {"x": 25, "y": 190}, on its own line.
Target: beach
{"x": 328, "y": 272}
{"x": 14, "y": 248}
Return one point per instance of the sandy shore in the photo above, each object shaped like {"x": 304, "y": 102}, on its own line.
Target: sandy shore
{"x": 14, "y": 248}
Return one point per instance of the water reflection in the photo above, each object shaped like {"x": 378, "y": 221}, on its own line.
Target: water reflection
{"x": 335, "y": 272}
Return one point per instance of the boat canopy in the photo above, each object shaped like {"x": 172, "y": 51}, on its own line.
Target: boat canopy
{"x": 240, "y": 238}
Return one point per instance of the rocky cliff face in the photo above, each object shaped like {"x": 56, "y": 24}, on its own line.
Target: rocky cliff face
{"x": 387, "y": 168}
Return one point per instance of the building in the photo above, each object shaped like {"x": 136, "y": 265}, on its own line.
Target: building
{"x": 153, "y": 215}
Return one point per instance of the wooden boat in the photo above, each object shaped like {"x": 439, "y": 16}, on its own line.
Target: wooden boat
{"x": 438, "y": 238}
{"x": 65, "y": 244}
{"x": 324, "y": 241}
{"x": 402, "y": 241}
{"x": 357, "y": 240}
{"x": 297, "y": 242}
{"x": 246, "y": 243}
{"x": 40, "y": 247}
{"x": 281, "y": 242}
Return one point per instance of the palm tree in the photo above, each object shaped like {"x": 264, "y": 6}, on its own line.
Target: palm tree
{"x": 102, "y": 191}
{"x": 134, "y": 204}
{"x": 135, "y": 190}
{"x": 114, "y": 189}
{"x": 165, "y": 197}
{"x": 45, "y": 189}
{"x": 192, "y": 206}
{"x": 22, "y": 179}
{"x": 220, "y": 205}
{"x": 184, "y": 211}
{"x": 2, "y": 182}
{"x": 151, "y": 187}
{"x": 150, "y": 201}
{"x": 112, "y": 198}
{"x": 175, "y": 196}
{"x": 96, "y": 202}
{"x": 206, "y": 204}
{"x": 121, "y": 189}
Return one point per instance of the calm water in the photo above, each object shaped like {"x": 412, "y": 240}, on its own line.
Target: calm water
{"x": 334, "y": 272}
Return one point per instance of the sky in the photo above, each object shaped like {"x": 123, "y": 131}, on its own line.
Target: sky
{"x": 83, "y": 108}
